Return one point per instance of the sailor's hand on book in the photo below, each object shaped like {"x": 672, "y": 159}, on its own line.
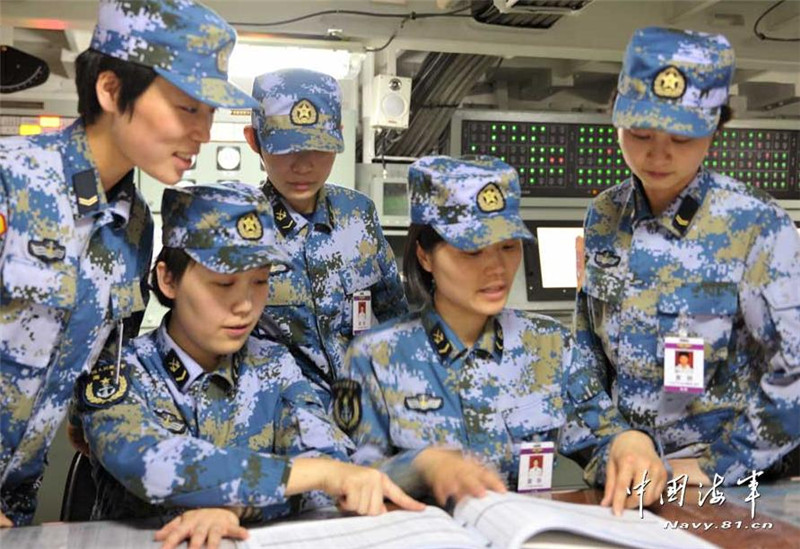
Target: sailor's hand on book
{"x": 449, "y": 473}
{"x": 202, "y": 528}
{"x": 362, "y": 490}
{"x": 5, "y": 522}
{"x": 631, "y": 456}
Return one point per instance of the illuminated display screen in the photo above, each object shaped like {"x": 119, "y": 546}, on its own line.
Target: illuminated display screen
{"x": 579, "y": 160}
{"x": 550, "y": 269}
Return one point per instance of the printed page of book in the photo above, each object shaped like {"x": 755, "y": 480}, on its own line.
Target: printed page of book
{"x": 509, "y": 520}
{"x": 429, "y": 529}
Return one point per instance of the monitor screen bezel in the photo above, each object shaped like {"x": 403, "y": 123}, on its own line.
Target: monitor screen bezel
{"x": 533, "y": 276}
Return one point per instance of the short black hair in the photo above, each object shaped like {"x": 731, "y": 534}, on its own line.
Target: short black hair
{"x": 134, "y": 79}
{"x": 176, "y": 261}
{"x": 419, "y": 282}
{"x": 725, "y": 111}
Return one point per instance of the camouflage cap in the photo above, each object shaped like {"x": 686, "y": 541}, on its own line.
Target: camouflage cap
{"x": 300, "y": 110}
{"x": 183, "y": 41}
{"x": 674, "y": 81}
{"x": 471, "y": 202}
{"x": 226, "y": 227}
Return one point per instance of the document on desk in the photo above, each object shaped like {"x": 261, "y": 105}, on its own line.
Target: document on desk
{"x": 495, "y": 521}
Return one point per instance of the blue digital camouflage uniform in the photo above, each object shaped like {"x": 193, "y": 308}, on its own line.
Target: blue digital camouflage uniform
{"x": 337, "y": 250}
{"x": 419, "y": 385}
{"x": 73, "y": 261}
{"x": 173, "y": 435}
{"x": 73, "y": 256}
{"x": 722, "y": 262}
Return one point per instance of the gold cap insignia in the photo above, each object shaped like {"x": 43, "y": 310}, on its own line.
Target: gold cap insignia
{"x": 303, "y": 113}
{"x": 249, "y": 226}
{"x": 669, "y": 83}
{"x": 491, "y": 199}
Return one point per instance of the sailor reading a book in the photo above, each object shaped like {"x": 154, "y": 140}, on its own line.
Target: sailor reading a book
{"x": 465, "y": 372}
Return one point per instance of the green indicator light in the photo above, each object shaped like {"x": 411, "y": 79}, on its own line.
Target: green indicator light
{"x": 741, "y": 155}
{"x": 608, "y": 172}
{"x": 552, "y": 149}
{"x": 560, "y": 171}
{"x": 541, "y": 160}
{"x": 473, "y": 148}
{"x": 750, "y": 134}
{"x": 494, "y": 127}
{"x": 513, "y": 128}
{"x": 582, "y": 140}
{"x": 619, "y": 161}
{"x": 533, "y": 160}
{"x": 561, "y": 150}
{"x": 580, "y": 171}
{"x": 503, "y": 127}
{"x": 523, "y": 138}
{"x": 580, "y": 181}
{"x": 533, "y": 149}
{"x": 503, "y": 158}
{"x": 591, "y": 140}
{"x": 619, "y": 172}
{"x": 580, "y": 151}
{"x": 522, "y": 170}
{"x": 583, "y": 130}
{"x": 541, "y": 171}
{"x": 725, "y": 154}
{"x": 760, "y": 135}
{"x": 494, "y": 138}
{"x": 591, "y": 130}
{"x": 590, "y": 180}
{"x": 513, "y": 138}
{"x": 533, "y": 138}
{"x": 749, "y": 144}
{"x": 758, "y": 165}
{"x": 532, "y": 180}
{"x": 552, "y": 170}
{"x": 541, "y": 128}
{"x": 494, "y": 149}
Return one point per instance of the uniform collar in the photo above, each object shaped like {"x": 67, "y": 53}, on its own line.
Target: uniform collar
{"x": 86, "y": 191}
{"x": 183, "y": 369}
{"x": 449, "y": 347}
{"x": 678, "y": 216}
{"x": 290, "y": 222}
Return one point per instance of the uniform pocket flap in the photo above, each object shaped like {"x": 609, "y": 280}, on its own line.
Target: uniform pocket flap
{"x": 783, "y": 293}
{"x": 50, "y": 285}
{"x": 361, "y": 277}
{"x": 534, "y": 415}
{"x": 701, "y": 298}
{"x": 602, "y": 285}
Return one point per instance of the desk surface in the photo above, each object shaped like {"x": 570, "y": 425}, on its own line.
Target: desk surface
{"x": 730, "y": 525}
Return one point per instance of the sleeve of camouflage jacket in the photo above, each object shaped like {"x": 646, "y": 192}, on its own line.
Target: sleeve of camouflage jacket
{"x": 162, "y": 467}
{"x": 593, "y": 420}
{"x": 769, "y": 296}
{"x": 389, "y": 300}
{"x": 371, "y": 436}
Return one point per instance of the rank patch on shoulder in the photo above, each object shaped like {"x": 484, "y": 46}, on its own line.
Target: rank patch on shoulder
{"x": 606, "y": 259}
{"x": 669, "y": 83}
{"x": 176, "y": 369}
{"x": 48, "y": 250}
{"x": 424, "y": 403}
{"x": 283, "y": 220}
{"x": 99, "y": 389}
{"x": 3, "y": 225}
{"x": 685, "y": 214}
{"x": 85, "y": 188}
{"x": 303, "y": 113}
{"x": 498, "y": 336}
{"x": 347, "y": 404}
{"x": 170, "y": 421}
{"x": 490, "y": 198}
{"x": 249, "y": 226}
{"x": 440, "y": 341}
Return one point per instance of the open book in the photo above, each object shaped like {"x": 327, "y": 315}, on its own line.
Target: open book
{"x": 496, "y": 521}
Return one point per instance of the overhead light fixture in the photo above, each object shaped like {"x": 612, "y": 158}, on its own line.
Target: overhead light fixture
{"x": 251, "y": 60}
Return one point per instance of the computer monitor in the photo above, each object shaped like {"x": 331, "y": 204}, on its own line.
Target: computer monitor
{"x": 550, "y": 267}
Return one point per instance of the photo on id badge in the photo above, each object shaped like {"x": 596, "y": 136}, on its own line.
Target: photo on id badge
{"x": 683, "y": 365}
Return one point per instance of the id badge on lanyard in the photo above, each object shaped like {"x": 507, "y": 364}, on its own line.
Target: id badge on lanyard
{"x": 684, "y": 363}
{"x": 362, "y": 311}
{"x": 535, "y": 466}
